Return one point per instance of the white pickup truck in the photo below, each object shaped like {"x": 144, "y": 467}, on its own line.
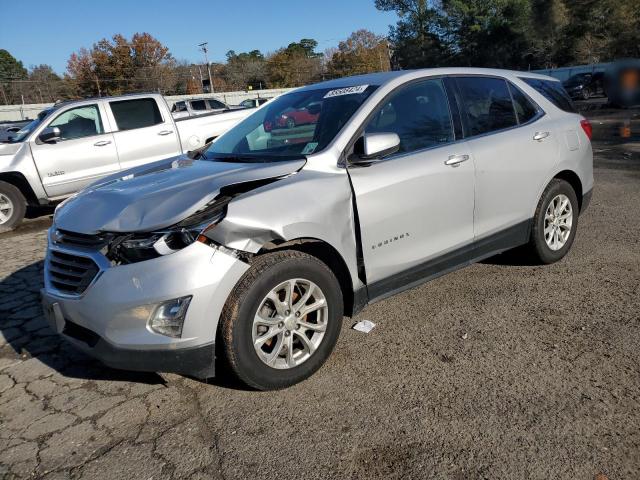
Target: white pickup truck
{"x": 72, "y": 144}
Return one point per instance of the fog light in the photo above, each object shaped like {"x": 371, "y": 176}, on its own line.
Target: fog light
{"x": 168, "y": 317}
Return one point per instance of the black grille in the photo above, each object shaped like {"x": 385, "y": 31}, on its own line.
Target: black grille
{"x": 70, "y": 273}
{"x": 65, "y": 237}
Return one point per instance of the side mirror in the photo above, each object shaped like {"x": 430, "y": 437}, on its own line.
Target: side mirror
{"x": 50, "y": 134}
{"x": 374, "y": 146}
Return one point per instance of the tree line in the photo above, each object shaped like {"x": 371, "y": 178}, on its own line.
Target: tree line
{"x": 518, "y": 34}
{"x": 142, "y": 63}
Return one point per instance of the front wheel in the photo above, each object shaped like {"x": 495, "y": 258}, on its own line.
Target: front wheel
{"x": 282, "y": 320}
{"x": 555, "y": 222}
{"x": 12, "y": 206}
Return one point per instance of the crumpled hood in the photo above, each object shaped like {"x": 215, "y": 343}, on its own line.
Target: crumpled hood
{"x": 159, "y": 194}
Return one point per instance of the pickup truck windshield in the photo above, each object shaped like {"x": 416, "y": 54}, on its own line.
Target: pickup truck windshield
{"x": 298, "y": 123}
{"x": 21, "y": 134}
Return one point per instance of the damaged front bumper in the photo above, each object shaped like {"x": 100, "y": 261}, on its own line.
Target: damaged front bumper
{"x": 110, "y": 319}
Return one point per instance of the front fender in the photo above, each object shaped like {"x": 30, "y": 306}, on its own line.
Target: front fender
{"x": 310, "y": 204}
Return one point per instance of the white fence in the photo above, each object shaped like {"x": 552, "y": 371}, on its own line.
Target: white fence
{"x": 30, "y": 111}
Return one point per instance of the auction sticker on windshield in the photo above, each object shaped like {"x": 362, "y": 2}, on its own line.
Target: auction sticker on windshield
{"x": 345, "y": 91}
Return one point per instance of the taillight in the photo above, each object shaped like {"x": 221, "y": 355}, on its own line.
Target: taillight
{"x": 586, "y": 126}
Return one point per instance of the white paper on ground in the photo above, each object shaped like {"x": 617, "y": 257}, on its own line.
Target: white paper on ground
{"x": 364, "y": 326}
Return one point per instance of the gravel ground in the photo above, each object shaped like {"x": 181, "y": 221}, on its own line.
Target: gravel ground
{"x": 501, "y": 370}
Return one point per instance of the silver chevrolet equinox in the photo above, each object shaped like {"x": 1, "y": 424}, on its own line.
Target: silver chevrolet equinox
{"x": 248, "y": 253}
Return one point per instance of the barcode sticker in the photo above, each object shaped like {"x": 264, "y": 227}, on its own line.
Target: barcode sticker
{"x": 346, "y": 91}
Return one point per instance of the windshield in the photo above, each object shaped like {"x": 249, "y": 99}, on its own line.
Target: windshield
{"x": 21, "y": 134}
{"x": 298, "y": 123}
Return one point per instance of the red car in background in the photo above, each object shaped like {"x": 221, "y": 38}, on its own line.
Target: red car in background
{"x": 295, "y": 116}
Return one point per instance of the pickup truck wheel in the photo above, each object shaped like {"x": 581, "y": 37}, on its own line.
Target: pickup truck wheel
{"x": 555, "y": 222}
{"x": 282, "y": 320}
{"x": 12, "y": 206}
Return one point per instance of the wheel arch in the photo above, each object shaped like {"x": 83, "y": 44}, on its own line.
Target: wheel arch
{"x": 19, "y": 181}
{"x": 328, "y": 255}
{"x": 572, "y": 179}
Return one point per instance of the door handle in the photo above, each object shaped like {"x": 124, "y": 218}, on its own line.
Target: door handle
{"x": 539, "y": 136}
{"x": 165, "y": 132}
{"x": 102, "y": 143}
{"x": 456, "y": 160}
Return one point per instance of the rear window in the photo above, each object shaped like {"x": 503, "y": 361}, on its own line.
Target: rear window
{"x": 138, "y": 113}
{"x": 552, "y": 91}
{"x": 179, "y": 107}
{"x": 198, "y": 105}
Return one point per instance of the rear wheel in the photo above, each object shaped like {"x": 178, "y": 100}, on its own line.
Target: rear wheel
{"x": 282, "y": 320}
{"x": 555, "y": 222}
{"x": 12, "y": 206}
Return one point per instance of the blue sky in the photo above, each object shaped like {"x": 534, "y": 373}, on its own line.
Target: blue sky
{"x": 49, "y": 31}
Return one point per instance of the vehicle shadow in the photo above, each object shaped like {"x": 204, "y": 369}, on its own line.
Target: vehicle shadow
{"x": 516, "y": 257}
{"x": 24, "y": 334}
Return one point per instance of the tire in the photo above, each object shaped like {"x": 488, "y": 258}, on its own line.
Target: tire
{"x": 541, "y": 244}
{"x": 13, "y": 206}
{"x": 238, "y": 330}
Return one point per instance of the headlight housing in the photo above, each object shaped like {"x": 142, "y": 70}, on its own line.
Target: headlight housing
{"x": 137, "y": 247}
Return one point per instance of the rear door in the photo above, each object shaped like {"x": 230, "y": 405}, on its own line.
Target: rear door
{"x": 85, "y": 152}
{"x": 514, "y": 148}
{"x": 413, "y": 206}
{"x": 141, "y": 131}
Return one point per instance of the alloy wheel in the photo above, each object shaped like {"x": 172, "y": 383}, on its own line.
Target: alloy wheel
{"x": 6, "y": 209}
{"x": 558, "y": 220}
{"x": 290, "y": 323}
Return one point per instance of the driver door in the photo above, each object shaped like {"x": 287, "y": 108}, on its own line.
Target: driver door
{"x": 84, "y": 152}
{"x": 414, "y": 206}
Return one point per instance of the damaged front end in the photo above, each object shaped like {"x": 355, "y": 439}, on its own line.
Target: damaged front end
{"x": 163, "y": 208}
{"x": 122, "y": 249}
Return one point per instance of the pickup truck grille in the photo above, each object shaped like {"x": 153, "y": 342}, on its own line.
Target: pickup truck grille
{"x": 73, "y": 239}
{"x": 70, "y": 274}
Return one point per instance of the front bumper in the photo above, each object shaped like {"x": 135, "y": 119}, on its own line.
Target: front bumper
{"x": 109, "y": 320}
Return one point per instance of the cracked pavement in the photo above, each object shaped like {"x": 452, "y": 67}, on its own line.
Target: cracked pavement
{"x": 500, "y": 370}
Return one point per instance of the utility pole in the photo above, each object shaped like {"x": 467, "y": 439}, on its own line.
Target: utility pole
{"x": 203, "y": 47}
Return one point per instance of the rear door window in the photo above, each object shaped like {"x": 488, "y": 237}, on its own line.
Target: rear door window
{"x": 487, "y": 105}
{"x": 418, "y": 113}
{"x": 136, "y": 113}
{"x": 525, "y": 109}
{"x": 553, "y": 91}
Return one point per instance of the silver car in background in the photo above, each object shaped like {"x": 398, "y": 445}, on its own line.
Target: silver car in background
{"x": 247, "y": 257}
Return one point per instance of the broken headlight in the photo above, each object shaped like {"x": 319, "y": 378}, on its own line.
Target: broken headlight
{"x": 137, "y": 247}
